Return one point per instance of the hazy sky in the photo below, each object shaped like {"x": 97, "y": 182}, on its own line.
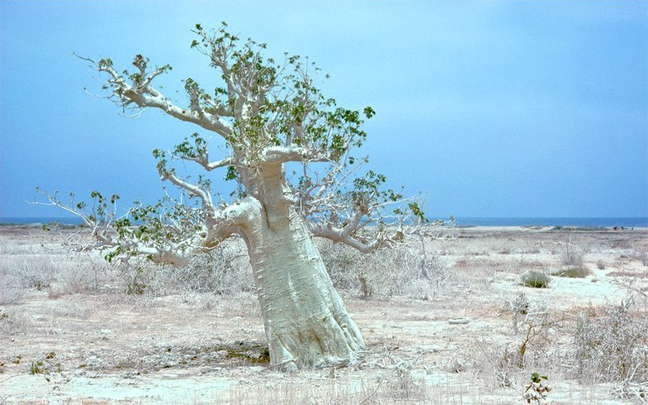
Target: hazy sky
{"x": 488, "y": 108}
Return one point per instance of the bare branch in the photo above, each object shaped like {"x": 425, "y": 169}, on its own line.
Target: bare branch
{"x": 140, "y": 92}
{"x": 192, "y": 189}
{"x": 209, "y": 166}
{"x": 340, "y": 235}
{"x": 162, "y": 237}
{"x": 282, "y": 154}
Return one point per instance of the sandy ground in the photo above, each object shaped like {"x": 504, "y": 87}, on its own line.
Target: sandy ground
{"x": 443, "y": 344}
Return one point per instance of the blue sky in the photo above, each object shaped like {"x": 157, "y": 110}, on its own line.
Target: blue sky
{"x": 488, "y": 108}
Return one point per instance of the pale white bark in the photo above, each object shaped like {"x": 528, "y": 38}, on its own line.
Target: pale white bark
{"x": 282, "y": 154}
{"x": 343, "y": 236}
{"x": 142, "y": 94}
{"x": 305, "y": 321}
{"x": 192, "y": 189}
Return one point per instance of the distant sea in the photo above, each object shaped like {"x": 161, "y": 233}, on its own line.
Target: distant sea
{"x": 478, "y": 221}
{"x": 39, "y": 220}
{"x": 577, "y": 222}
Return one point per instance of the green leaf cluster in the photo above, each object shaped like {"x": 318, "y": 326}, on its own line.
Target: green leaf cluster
{"x": 282, "y": 104}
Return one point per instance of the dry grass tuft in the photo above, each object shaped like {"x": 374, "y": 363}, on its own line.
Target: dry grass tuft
{"x": 572, "y": 272}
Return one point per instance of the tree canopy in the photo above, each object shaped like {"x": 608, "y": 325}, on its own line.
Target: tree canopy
{"x": 268, "y": 113}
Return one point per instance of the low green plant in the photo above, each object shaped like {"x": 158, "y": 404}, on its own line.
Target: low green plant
{"x": 36, "y": 367}
{"x": 572, "y": 272}
{"x": 46, "y": 365}
{"x": 135, "y": 285}
{"x": 537, "y": 389}
{"x": 535, "y": 279}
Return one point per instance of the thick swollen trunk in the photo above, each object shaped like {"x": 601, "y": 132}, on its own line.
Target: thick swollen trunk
{"x": 305, "y": 320}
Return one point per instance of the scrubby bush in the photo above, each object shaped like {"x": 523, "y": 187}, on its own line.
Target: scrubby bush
{"x": 38, "y": 272}
{"x": 135, "y": 279}
{"x": 535, "y": 279}
{"x": 222, "y": 271}
{"x": 572, "y": 257}
{"x": 342, "y": 264}
{"x": 225, "y": 270}
{"x": 612, "y": 346}
{"x": 403, "y": 269}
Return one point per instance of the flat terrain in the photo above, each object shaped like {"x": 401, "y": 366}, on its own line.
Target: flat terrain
{"x": 446, "y": 320}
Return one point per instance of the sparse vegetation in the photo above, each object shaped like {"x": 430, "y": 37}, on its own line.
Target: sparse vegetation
{"x": 36, "y": 367}
{"x": 572, "y": 256}
{"x": 409, "y": 295}
{"x": 45, "y": 365}
{"x": 643, "y": 256}
{"x": 400, "y": 270}
{"x": 611, "y": 344}
{"x": 134, "y": 279}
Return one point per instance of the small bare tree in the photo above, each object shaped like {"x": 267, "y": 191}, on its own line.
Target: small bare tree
{"x": 268, "y": 114}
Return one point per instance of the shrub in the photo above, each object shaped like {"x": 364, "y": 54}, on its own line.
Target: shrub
{"x": 403, "y": 269}
{"x": 535, "y": 279}
{"x": 613, "y": 345}
{"x": 342, "y": 264}
{"x": 572, "y": 257}
{"x": 537, "y": 389}
{"x": 572, "y": 272}
{"x": 219, "y": 271}
{"x": 38, "y": 272}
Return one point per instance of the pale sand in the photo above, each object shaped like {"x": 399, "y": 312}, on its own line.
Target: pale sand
{"x": 114, "y": 348}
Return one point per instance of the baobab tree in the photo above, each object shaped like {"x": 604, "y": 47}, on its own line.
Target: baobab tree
{"x": 268, "y": 114}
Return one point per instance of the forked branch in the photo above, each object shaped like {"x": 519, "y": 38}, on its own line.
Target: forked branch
{"x": 130, "y": 89}
{"x": 167, "y": 232}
